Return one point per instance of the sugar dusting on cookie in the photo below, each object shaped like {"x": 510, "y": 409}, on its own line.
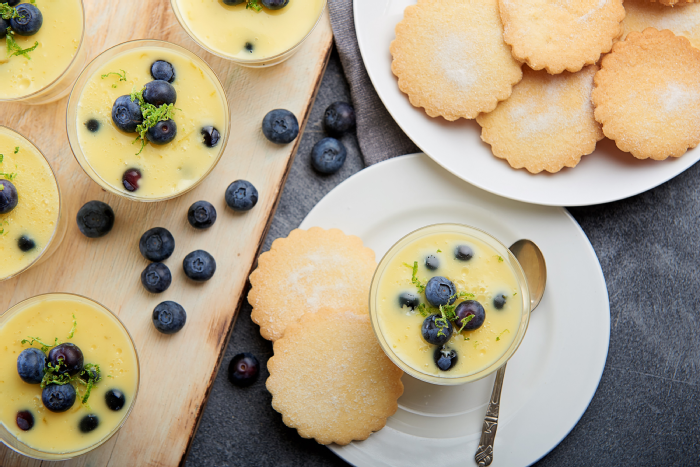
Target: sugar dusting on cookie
{"x": 683, "y": 20}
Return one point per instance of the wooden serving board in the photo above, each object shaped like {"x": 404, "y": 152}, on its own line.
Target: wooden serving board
{"x": 176, "y": 371}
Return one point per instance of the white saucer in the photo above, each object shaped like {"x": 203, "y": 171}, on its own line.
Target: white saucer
{"x": 550, "y": 379}
{"x": 606, "y": 175}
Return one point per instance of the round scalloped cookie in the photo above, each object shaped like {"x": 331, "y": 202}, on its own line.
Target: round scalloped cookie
{"x": 647, "y": 94}
{"x": 450, "y": 58}
{"x": 675, "y": 2}
{"x": 306, "y": 271}
{"x": 330, "y": 379}
{"x": 546, "y": 124}
{"x": 559, "y": 35}
{"x": 683, "y": 21}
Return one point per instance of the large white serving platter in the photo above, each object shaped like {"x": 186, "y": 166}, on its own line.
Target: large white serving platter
{"x": 555, "y": 372}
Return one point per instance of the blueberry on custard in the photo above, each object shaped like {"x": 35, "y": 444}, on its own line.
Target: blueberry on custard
{"x": 163, "y": 132}
{"x": 432, "y": 262}
{"x": 130, "y": 179}
{"x": 211, "y": 136}
{"x": 31, "y": 365}
{"x": 159, "y": 92}
{"x": 470, "y": 315}
{"x": 115, "y": 400}
{"x": 445, "y": 358}
{"x": 436, "y": 330}
{"x": 88, "y": 423}
{"x": 92, "y": 125}
{"x": 234, "y": 2}
{"x": 126, "y": 114}
{"x": 25, "y": 420}
{"x": 409, "y": 300}
{"x": 29, "y": 20}
{"x": 274, "y": 4}
{"x": 25, "y": 243}
{"x": 67, "y": 357}
{"x": 464, "y": 252}
{"x": 8, "y": 196}
{"x": 58, "y": 398}
{"x": 4, "y": 24}
{"x": 440, "y": 291}
{"x": 163, "y": 71}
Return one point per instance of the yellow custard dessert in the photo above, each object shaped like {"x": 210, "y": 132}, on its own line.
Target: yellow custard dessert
{"x": 58, "y": 41}
{"x": 37, "y": 421}
{"x": 449, "y": 303}
{"x": 27, "y": 229}
{"x": 241, "y": 33}
{"x": 122, "y": 162}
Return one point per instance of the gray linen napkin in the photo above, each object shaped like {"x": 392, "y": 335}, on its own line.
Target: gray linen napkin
{"x": 378, "y": 135}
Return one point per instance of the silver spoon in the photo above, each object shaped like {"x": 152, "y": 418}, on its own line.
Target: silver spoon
{"x": 531, "y": 259}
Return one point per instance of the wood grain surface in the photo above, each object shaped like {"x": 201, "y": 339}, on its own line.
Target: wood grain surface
{"x": 176, "y": 371}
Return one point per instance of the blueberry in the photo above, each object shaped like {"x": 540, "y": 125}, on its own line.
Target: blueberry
{"x": 445, "y": 358}
{"x": 249, "y": 47}
{"x": 201, "y": 215}
{"x": 159, "y": 92}
{"x": 199, "y": 266}
{"x": 280, "y": 126}
{"x": 130, "y": 179}
{"x": 408, "y": 299}
{"x": 211, "y": 136}
{"x": 58, "y": 398}
{"x": 339, "y": 119}
{"x": 8, "y": 196}
{"x": 234, "y": 2}
{"x": 156, "y": 278}
{"x": 126, "y": 114}
{"x": 243, "y": 369}
{"x": 25, "y": 243}
{"x": 163, "y": 133}
{"x": 432, "y": 262}
{"x": 328, "y": 156}
{"x": 25, "y": 420}
{"x": 67, "y": 357}
{"x": 29, "y": 20}
{"x": 499, "y": 301}
{"x": 4, "y": 24}
{"x": 464, "y": 253}
{"x": 169, "y": 317}
{"x": 163, "y": 71}
{"x": 157, "y": 244}
{"x": 92, "y": 125}
{"x": 88, "y": 423}
{"x": 115, "y": 400}
{"x": 470, "y": 308}
{"x": 241, "y": 195}
{"x": 274, "y": 4}
{"x": 436, "y": 330}
{"x": 11, "y": 2}
{"x": 30, "y": 365}
{"x": 95, "y": 219}
{"x": 440, "y": 291}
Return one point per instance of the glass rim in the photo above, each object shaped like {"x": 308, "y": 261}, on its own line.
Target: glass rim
{"x": 61, "y": 456}
{"x": 491, "y": 241}
{"x": 240, "y": 61}
{"x": 62, "y": 74}
{"x": 60, "y": 206}
{"x": 79, "y": 86}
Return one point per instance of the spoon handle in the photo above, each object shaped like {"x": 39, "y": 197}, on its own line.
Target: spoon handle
{"x": 484, "y": 454}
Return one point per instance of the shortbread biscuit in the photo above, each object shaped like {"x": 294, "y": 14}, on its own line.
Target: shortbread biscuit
{"x": 683, "y": 21}
{"x": 547, "y": 123}
{"x": 673, "y": 2}
{"x": 647, "y": 95}
{"x": 330, "y": 379}
{"x": 450, "y": 58}
{"x": 306, "y": 271}
{"x": 561, "y": 35}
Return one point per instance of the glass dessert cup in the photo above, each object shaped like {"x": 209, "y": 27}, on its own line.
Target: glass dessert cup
{"x": 8, "y": 438}
{"x": 60, "y": 221}
{"x": 60, "y": 86}
{"x": 96, "y": 69}
{"x": 446, "y": 378}
{"x": 268, "y": 61}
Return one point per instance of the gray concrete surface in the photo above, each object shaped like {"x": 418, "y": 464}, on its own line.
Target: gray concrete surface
{"x": 645, "y": 412}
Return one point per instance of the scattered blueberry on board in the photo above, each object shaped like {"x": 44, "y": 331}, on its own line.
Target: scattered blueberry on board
{"x": 339, "y": 119}
{"x": 169, "y": 317}
{"x": 130, "y": 179}
{"x": 201, "y": 215}
{"x": 157, "y": 244}
{"x": 163, "y": 132}
{"x": 436, "y": 330}
{"x": 88, "y": 423}
{"x": 29, "y": 20}
{"x": 67, "y": 357}
{"x": 470, "y": 308}
{"x": 199, "y": 266}
{"x": 241, "y": 195}
{"x": 31, "y": 365}
{"x": 58, "y": 398}
{"x": 409, "y": 300}
{"x": 432, "y": 262}
{"x": 25, "y": 420}
{"x": 440, "y": 291}
{"x": 280, "y": 126}
{"x": 445, "y": 358}
{"x": 92, "y": 125}
{"x": 211, "y": 136}
{"x": 163, "y": 71}
{"x": 95, "y": 219}
{"x": 499, "y": 301}
{"x": 159, "y": 93}
{"x": 126, "y": 114}
{"x": 243, "y": 369}
{"x": 8, "y": 197}
{"x": 115, "y": 400}
{"x": 156, "y": 278}
{"x": 328, "y": 156}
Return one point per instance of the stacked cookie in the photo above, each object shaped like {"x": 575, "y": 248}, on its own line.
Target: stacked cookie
{"x": 329, "y": 378}
{"x": 449, "y": 58}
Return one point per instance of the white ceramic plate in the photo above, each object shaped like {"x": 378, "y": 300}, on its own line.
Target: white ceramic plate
{"x": 606, "y": 175}
{"x": 555, "y": 372}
